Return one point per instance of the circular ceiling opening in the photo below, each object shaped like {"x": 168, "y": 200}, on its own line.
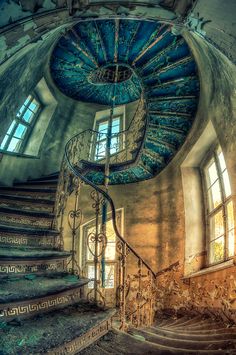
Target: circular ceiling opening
{"x": 114, "y": 73}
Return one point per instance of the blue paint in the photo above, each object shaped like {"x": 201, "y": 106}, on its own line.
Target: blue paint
{"x": 162, "y": 65}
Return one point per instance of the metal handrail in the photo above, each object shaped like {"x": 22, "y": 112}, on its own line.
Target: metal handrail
{"x": 113, "y": 211}
{"x": 113, "y": 135}
{"x": 77, "y": 173}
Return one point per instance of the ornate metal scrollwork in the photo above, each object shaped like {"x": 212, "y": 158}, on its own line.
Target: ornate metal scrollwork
{"x": 135, "y": 280}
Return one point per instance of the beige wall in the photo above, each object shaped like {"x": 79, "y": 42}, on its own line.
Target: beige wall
{"x": 154, "y": 211}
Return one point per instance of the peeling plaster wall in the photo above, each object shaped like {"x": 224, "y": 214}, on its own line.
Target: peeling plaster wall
{"x": 216, "y": 20}
{"x": 212, "y": 293}
{"x": 154, "y": 210}
{"x": 154, "y": 213}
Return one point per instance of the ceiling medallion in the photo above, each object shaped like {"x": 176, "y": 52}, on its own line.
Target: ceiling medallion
{"x": 110, "y": 74}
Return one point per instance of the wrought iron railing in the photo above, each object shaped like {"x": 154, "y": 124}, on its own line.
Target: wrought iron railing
{"x": 89, "y": 146}
{"x": 78, "y": 201}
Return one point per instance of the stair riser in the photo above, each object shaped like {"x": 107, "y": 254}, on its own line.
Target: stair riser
{"x": 199, "y": 337}
{"x": 27, "y": 220}
{"x": 80, "y": 343}
{"x": 29, "y": 308}
{"x": 184, "y": 344}
{"x": 50, "y": 195}
{"x": 28, "y": 241}
{"x": 17, "y": 267}
{"x": 36, "y": 185}
{"x": 27, "y": 206}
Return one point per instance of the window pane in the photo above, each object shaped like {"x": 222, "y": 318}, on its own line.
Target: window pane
{"x": 111, "y": 236}
{"x": 216, "y": 225}
{"x": 20, "y": 131}
{"x": 217, "y": 250}
{"x": 226, "y": 184}
{"x": 14, "y": 145}
{"x": 91, "y": 275}
{"x": 103, "y": 127}
{"x": 114, "y": 145}
{"x": 222, "y": 161}
{"x": 214, "y": 196}
{"x": 28, "y": 115}
{"x": 27, "y": 100}
{"x": 110, "y": 252}
{"x": 230, "y": 215}
{"x": 4, "y": 141}
{"x": 33, "y": 106}
{"x": 23, "y": 107}
{"x": 211, "y": 173}
{"x": 109, "y": 276}
{"x": 231, "y": 243}
{"x": 100, "y": 150}
{"x": 11, "y": 127}
{"x": 115, "y": 129}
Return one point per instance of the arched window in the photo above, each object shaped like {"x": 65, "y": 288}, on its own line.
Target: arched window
{"x": 218, "y": 208}
{"x": 208, "y": 205}
{"x": 21, "y": 126}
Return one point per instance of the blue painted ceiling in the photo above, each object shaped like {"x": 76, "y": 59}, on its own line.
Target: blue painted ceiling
{"x": 161, "y": 64}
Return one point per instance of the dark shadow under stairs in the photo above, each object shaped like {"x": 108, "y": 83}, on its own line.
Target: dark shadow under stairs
{"x": 42, "y": 310}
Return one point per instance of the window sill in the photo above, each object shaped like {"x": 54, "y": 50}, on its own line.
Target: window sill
{"x": 21, "y": 155}
{"x": 210, "y": 269}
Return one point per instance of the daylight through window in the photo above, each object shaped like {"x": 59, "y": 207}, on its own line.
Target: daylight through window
{"x": 220, "y": 219}
{"x": 19, "y": 129}
{"x": 102, "y": 129}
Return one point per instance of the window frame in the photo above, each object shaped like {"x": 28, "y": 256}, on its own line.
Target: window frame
{"x": 212, "y": 155}
{"x": 87, "y": 261}
{"x": 19, "y": 120}
{"x": 96, "y": 141}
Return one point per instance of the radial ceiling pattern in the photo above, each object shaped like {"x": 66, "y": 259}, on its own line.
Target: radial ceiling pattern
{"x": 149, "y": 57}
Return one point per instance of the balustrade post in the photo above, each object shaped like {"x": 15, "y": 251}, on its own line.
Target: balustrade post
{"x": 123, "y": 286}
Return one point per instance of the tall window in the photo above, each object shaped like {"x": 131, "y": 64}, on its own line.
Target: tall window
{"x": 21, "y": 126}
{"x": 220, "y": 218}
{"x": 110, "y": 255}
{"x": 100, "y": 143}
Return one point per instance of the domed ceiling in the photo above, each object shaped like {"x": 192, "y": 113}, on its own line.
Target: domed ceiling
{"x": 139, "y": 55}
{"x": 144, "y": 48}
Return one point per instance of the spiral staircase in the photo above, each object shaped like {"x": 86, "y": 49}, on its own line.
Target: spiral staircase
{"x": 157, "y": 66}
{"x": 42, "y": 305}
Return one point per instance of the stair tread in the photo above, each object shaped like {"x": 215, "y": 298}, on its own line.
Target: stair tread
{"x": 201, "y": 335}
{"x": 19, "y": 228}
{"x": 27, "y": 198}
{"x": 178, "y": 342}
{"x": 36, "y": 213}
{"x": 125, "y": 344}
{"x": 7, "y": 253}
{"x": 39, "y": 334}
{"x": 35, "y": 182}
{"x": 15, "y": 289}
{"x": 27, "y": 189}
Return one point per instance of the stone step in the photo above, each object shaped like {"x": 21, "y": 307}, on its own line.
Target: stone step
{"x": 67, "y": 331}
{"x": 119, "y": 343}
{"x": 26, "y": 217}
{"x": 179, "y": 343}
{"x": 37, "y": 261}
{"x": 25, "y": 298}
{"x": 27, "y": 202}
{"x": 53, "y": 176}
{"x": 37, "y": 183}
{"x": 229, "y": 333}
{"x": 200, "y": 327}
{"x": 16, "y": 235}
{"x": 35, "y": 192}
{"x": 185, "y": 321}
{"x": 170, "y": 321}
